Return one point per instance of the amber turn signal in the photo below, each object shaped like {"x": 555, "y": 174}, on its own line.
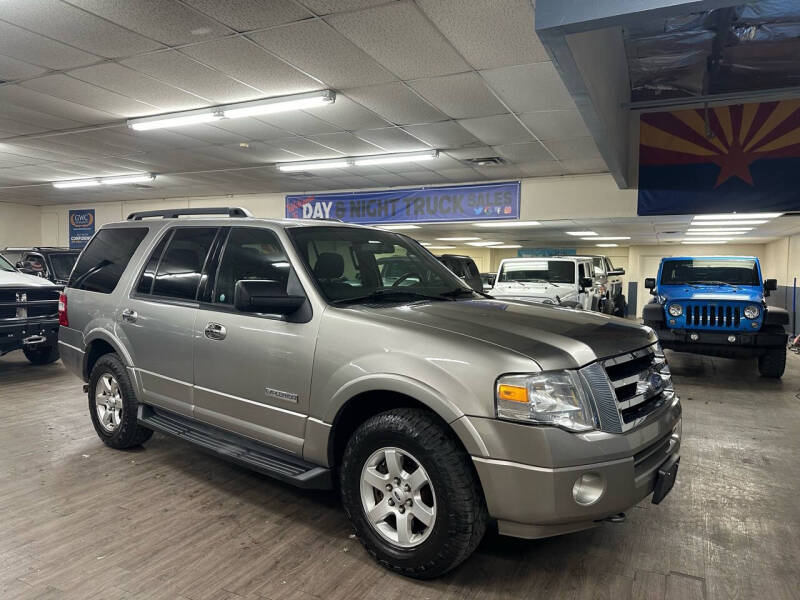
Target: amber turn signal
{"x": 512, "y": 393}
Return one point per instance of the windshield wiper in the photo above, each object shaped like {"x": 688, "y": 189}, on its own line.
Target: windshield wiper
{"x": 388, "y": 295}
{"x": 463, "y": 292}
{"x": 714, "y": 283}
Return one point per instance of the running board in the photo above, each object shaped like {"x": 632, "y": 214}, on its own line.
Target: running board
{"x": 248, "y": 453}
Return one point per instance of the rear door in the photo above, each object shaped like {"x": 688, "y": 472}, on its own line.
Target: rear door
{"x": 252, "y": 372}
{"x": 158, "y": 317}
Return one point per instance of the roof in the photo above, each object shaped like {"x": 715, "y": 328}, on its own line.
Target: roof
{"x": 729, "y": 257}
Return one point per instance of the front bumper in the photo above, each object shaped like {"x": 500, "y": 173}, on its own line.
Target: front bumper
{"x": 537, "y": 501}
{"x": 15, "y": 335}
{"x": 724, "y": 344}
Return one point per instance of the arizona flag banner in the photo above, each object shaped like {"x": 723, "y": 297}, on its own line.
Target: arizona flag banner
{"x": 742, "y": 158}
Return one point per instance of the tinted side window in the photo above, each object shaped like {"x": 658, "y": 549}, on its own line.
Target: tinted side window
{"x": 472, "y": 270}
{"x": 103, "y": 261}
{"x": 249, "y": 254}
{"x": 182, "y": 263}
{"x": 145, "y": 285}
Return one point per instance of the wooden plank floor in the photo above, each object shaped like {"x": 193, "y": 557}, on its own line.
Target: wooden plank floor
{"x": 79, "y": 520}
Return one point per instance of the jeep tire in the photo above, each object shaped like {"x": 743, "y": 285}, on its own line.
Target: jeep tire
{"x": 41, "y": 355}
{"x": 113, "y": 405}
{"x": 421, "y": 449}
{"x": 773, "y": 363}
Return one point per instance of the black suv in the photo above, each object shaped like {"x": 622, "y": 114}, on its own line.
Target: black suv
{"x": 464, "y": 267}
{"x": 51, "y": 263}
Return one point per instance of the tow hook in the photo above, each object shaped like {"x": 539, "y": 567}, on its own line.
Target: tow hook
{"x": 33, "y": 340}
{"x": 618, "y": 518}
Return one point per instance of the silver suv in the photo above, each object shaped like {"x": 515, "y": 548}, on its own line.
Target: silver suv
{"x": 431, "y": 407}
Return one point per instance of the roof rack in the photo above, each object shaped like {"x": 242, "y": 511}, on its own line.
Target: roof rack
{"x": 174, "y": 213}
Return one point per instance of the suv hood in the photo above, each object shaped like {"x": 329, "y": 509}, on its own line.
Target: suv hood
{"x": 17, "y": 279}
{"x": 530, "y": 290}
{"x": 741, "y": 293}
{"x": 556, "y": 338}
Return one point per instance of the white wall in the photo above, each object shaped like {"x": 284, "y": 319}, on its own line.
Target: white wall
{"x": 20, "y": 224}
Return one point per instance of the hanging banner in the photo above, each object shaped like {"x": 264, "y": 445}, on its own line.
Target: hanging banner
{"x": 742, "y": 158}
{"x": 482, "y": 202}
{"x": 81, "y": 227}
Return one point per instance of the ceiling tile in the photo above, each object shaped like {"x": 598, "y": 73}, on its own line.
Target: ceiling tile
{"x": 70, "y": 25}
{"x": 424, "y": 177}
{"x": 304, "y": 148}
{"x": 459, "y": 96}
{"x": 79, "y": 92}
{"x": 325, "y": 7}
{"x": 488, "y": 35}
{"x": 348, "y": 115}
{"x": 250, "y": 129}
{"x": 528, "y": 88}
{"x": 244, "y": 15}
{"x": 210, "y": 134}
{"x": 324, "y": 53}
{"x": 585, "y": 165}
{"x": 392, "y": 139}
{"x": 245, "y": 61}
{"x": 133, "y": 84}
{"x": 234, "y": 154}
{"x": 506, "y": 172}
{"x": 500, "y": 129}
{"x": 583, "y": 147}
{"x": 555, "y": 124}
{"x": 299, "y": 123}
{"x": 399, "y": 37}
{"x": 447, "y": 134}
{"x": 28, "y": 98}
{"x": 525, "y": 152}
{"x": 188, "y": 74}
{"x": 546, "y": 168}
{"x": 9, "y": 128}
{"x": 346, "y": 143}
{"x": 168, "y": 22}
{"x": 396, "y": 103}
{"x": 471, "y": 152}
{"x": 389, "y": 179}
{"x": 38, "y": 50}
{"x": 26, "y": 116}
{"x": 460, "y": 174}
{"x": 11, "y": 68}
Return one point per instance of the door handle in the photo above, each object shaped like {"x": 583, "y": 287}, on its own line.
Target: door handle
{"x": 129, "y": 315}
{"x": 215, "y": 331}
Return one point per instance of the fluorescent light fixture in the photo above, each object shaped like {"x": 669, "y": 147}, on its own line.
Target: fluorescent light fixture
{"x": 313, "y": 165}
{"x": 480, "y": 244}
{"x": 706, "y": 242}
{"x": 728, "y": 223}
{"x": 726, "y": 229}
{"x": 608, "y": 238}
{"x": 76, "y": 183}
{"x": 424, "y": 243}
{"x": 113, "y": 180}
{"x": 252, "y": 108}
{"x": 398, "y": 227}
{"x": 387, "y": 159}
{"x": 429, "y": 247}
{"x": 606, "y": 245}
{"x": 737, "y": 216}
{"x": 509, "y": 246}
{"x": 508, "y": 224}
{"x": 715, "y": 233}
{"x": 137, "y": 178}
{"x": 458, "y": 239}
{"x": 581, "y": 233}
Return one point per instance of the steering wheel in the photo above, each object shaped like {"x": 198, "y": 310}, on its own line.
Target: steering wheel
{"x": 405, "y": 276}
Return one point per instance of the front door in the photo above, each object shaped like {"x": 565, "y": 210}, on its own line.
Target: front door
{"x": 158, "y": 317}
{"x": 252, "y": 372}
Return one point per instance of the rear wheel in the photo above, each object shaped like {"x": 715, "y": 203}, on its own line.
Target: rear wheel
{"x": 113, "y": 405}
{"x": 41, "y": 355}
{"x": 773, "y": 363}
{"x": 412, "y": 494}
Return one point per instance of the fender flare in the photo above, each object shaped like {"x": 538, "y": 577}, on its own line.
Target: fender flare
{"x": 104, "y": 335}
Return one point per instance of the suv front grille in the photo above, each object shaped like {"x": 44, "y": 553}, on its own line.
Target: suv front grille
{"x": 27, "y": 303}
{"x": 642, "y": 384}
{"x": 709, "y": 315}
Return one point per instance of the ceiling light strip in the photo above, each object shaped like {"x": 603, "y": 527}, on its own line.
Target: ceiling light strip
{"x": 737, "y": 216}
{"x": 112, "y": 180}
{"x": 358, "y": 161}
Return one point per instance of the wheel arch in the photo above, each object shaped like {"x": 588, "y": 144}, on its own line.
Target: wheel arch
{"x": 99, "y": 343}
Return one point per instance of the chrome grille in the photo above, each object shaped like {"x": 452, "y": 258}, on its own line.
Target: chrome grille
{"x": 642, "y": 383}
{"x": 26, "y": 303}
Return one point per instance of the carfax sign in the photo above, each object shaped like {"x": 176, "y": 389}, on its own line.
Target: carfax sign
{"x": 81, "y": 227}
{"x": 491, "y": 201}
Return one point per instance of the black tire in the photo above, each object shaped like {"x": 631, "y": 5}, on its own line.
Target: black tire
{"x": 773, "y": 363}
{"x": 42, "y": 355}
{"x": 128, "y": 433}
{"x": 461, "y": 514}
{"x": 620, "y": 308}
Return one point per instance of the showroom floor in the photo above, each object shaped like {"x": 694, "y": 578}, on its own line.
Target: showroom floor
{"x": 79, "y": 520}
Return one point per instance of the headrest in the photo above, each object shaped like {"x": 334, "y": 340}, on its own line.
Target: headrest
{"x": 329, "y": 266}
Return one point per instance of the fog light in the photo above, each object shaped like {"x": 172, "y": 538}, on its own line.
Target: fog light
{"x": 754, "y": 324}
{"x": 732, "y": 339}
{"x": 588, "y": 489}
{"x": 694, "y": 337}
{"x": 672, "y": 321}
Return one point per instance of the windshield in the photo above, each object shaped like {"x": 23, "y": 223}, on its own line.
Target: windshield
{"x": 552, "y": 271}
{"x": 5, "y": 265}
{"x": 694, "y": 271}
{"x": 366, "y": 265}
{"x": 62, "y": 264}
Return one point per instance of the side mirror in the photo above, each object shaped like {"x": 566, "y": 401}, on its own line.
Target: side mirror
{"x": 770, "y": 285}
{"x": 650, "y": 283}
{"x": 26, "y": 266}
{"x": 586, "y": 282}
{"x": 617, "y": 272}
{"x": 265, "y": 296}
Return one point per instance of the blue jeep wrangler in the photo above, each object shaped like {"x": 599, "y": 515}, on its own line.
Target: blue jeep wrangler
{"x": 715, "y": 305}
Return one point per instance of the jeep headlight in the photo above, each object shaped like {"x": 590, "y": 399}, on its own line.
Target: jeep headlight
{"x": 676, "y": 310}
{"x": 752, "y": 311}
{"x": 549, "y": 398}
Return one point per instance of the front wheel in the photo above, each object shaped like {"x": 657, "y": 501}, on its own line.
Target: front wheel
{"x": 773, "y": 363}
{"x": 412, "y": 494}
{"x": 41, "y": 355}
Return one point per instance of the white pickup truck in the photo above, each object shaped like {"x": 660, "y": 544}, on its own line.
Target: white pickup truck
{"x": 562, "y": 281}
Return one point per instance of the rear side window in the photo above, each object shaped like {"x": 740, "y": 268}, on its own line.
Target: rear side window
{"x": 181, "y": 266}
{"x": 145, "y": 285}
{"x": 104, "y": 260}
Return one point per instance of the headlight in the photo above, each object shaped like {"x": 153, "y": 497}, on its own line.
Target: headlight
{"x": 752, "y": 311}
{"x": 550, "y": 398}
{"x": 676, "y": 310}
